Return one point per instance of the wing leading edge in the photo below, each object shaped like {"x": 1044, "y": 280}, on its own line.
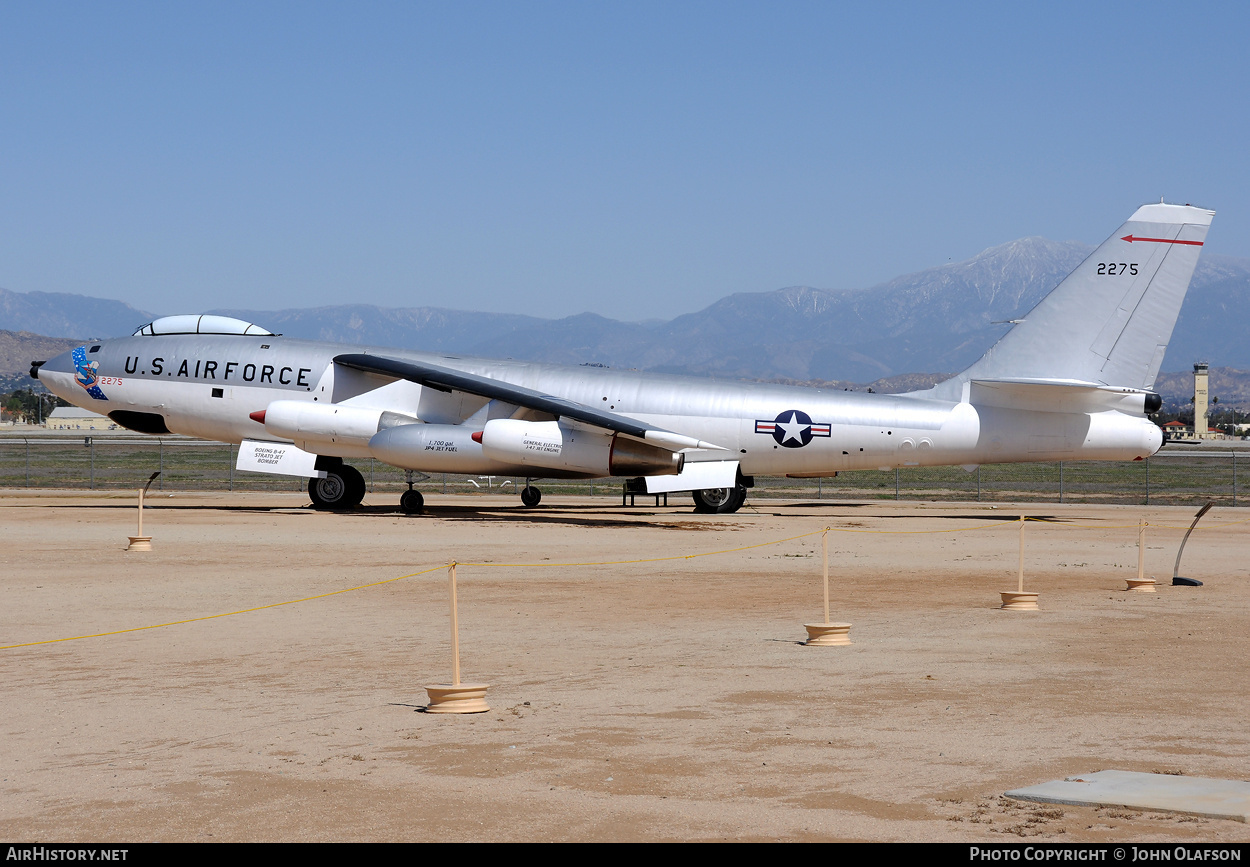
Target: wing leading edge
{"x": 446, "y": 379}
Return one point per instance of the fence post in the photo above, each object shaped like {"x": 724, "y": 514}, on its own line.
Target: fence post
{"x": 896, "y": 483}
{"x": 160, "y": 480}
{"x": 371, "y": 475}
{"x": 91, "y": 448}
{"x": 978, "y": 483}
{"x": 1061, "y": 481}
{"x": 1147, "y": 481}
{"x": 27, "y": 441}
{"x": 1234, "y": 477}
{"x": 230, "y": 466}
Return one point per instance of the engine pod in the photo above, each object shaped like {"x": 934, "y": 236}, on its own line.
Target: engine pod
{"x": 330, "y": 423}
{"x": 555, "y": 445}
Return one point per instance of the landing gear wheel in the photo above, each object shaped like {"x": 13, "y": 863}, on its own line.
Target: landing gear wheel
{"x": 530, "y": 496}
{"x": 411, "y": 502}
{"x": 719, "y": 501}
{"x": 343, "y": 488}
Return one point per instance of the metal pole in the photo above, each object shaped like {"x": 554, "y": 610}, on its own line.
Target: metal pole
{"x": 1147, "y": 481}
{"x": 819, "y": 489}
{"x": 160, "y": 480}
{"x": 1234, "y": 475}
{"x": 371, "y": 475}
{"x": 1061, "y": 481}
{"x": 1176, "y": 570}
{"x": 230, "y": 464}
{"x": 978, "y": 483}
{"x": 24, "y": 439}
{"x": 91, "y": 447}
{"x": 896, "y": 483}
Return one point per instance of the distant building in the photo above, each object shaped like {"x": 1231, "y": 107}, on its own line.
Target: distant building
{"x": 1178, "y": 431}
{"x": 74, "y": 418}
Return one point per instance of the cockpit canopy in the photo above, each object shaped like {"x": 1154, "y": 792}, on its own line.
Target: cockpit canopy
{"x": 196, "y": 323}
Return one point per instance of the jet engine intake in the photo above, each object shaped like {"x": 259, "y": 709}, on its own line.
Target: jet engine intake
{"x": 556, "y": 445}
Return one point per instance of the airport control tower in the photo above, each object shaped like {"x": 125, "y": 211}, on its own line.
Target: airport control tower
{"x": 1201, "y": 426}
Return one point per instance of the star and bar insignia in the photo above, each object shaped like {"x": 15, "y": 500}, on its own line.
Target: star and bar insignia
{"x": 792, "y": 429}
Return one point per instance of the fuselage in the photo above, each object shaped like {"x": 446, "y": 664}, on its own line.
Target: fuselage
{"x": 209, "y": 385}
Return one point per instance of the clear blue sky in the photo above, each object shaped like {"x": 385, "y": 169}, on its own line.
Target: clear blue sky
{"x": 637, "y": 160}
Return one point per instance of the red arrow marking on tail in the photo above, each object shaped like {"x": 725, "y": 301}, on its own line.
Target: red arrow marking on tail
{"x": 1131, "y": 239}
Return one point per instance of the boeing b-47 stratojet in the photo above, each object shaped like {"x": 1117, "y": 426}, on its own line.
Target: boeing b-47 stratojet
{"x": 1071, "y": 381}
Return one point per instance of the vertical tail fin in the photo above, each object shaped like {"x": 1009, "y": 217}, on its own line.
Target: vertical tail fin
{"x": 1110, "y": 320}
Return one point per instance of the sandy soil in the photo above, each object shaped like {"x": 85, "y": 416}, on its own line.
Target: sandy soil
{"x": 630, "y": 701}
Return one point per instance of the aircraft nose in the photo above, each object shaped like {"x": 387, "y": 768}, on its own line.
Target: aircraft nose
{"x": 56, "y": 374}
{"x": 63, "y": 363}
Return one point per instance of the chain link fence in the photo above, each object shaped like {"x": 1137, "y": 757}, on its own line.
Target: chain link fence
{"x": 118, "y": 462}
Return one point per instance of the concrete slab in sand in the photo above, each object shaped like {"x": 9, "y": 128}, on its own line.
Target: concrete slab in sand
{"x": 1196, "y": 796}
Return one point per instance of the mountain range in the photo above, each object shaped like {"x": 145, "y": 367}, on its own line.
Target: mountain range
{"x": 939, "y": 319}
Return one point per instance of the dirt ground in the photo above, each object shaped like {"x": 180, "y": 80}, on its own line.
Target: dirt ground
{"x": 660, "y": 700}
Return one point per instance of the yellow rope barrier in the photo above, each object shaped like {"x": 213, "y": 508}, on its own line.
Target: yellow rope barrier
{"x": 224, "y": 614}
{"x": 444, "y": 566}
{"x": 1070, "y": 524}
{"x": 750, "y": 547}
{"x": 991, "y": 525}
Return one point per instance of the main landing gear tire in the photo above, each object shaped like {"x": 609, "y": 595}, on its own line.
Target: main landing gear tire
{"x": 412, "y": 502}
{"x": 343, "y": 488}
{"x": 530, "y": 496}
{"x": 719, "y": 501}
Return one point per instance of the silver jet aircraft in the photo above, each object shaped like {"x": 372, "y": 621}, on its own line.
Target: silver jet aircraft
{"x": 1071, "y": 381}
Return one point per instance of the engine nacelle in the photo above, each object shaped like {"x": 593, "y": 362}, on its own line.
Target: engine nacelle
{"x": 328, "y": 423}
{"x": 554, "y": 445}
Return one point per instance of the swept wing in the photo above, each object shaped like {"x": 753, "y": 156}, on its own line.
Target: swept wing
{"x": 445, "y": 379}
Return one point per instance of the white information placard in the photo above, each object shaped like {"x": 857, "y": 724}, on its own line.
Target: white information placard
{"x": 696, "y": 477}
{"x": 282, "y": 459}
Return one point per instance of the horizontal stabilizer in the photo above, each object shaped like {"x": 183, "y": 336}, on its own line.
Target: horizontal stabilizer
{"x": 1060, "y": 395}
